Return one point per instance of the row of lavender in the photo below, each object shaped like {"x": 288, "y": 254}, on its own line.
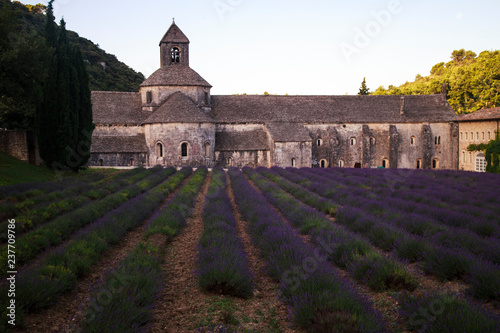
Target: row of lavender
{"x": 458, "y": 313}
{"x": 62, "y": 227}
{"x": 222, "y": 262}
{"x": 448, "y": 254}
{"x": 320, "y": 298}
{"x": 59, "y": 269}
{"x": 345, "y": 249}
{"x": 37, "y": 210}
{"x": 470, "y": 201}
{"x": 123, "y": 301}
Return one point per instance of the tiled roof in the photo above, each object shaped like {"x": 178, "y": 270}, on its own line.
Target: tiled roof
{"x": 175, "y": 35}
{"x": 233, "y": 140}
{"x": 178, "y": 109}
{"x": 331, "y": 109}
{"x": 119, "y": 144}
{"x": 288, "y": 132}
{"x": 117, "y": 108}
{"x": 175, "y": 75}
{"x": 485, "y": 114}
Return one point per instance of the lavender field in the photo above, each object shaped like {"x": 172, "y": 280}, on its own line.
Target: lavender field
{"x": 255, "y": 250}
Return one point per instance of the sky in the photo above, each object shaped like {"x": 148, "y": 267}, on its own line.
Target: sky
{"x": 319, "y": 47}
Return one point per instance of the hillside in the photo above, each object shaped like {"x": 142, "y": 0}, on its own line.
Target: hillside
{"x": 23, "y": 64}
{"x": 473, "y": 81}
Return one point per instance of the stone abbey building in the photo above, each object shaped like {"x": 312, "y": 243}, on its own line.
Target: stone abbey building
{"x": 174, "y": 121}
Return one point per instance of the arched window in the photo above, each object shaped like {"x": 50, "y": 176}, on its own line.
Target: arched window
{"x": 439, "y": 140}
{"x": 489, "y": 135}
{"x": 184, "y": 149}
{"x": 319, "y": 142}
{"x": 472, "y": 136}
{"x": 149, "y": 97}
{"x": 483, "y": 136}
{"x": 159, "y": 149}
{"x": 466, "y": 135}
{"x": 419, "y": 164}
{"x": 385, "y": 163}
{"x": 294, "y": 162}
{"x": 100, "y": 162}
{"x": 353, "y": 141}
{"x": 372, "y": 141}
{"x": 229, "y": 161}
{"x": 341, "y": 164}
{"x": 461, "y": 135}
{"x": 175, "y": 54}
{"x": 480, "y": 163}
{"x": 435, "y": 163}
{"x": 477, "y": 136}
{"x": 323, "y": 163}
{"x": 470, "y": 157}
{"x": 413, "y": 140}
{"x": 207, "y": 149}
{"x": 131, "y": 162}
{"x": 463, "y": 156}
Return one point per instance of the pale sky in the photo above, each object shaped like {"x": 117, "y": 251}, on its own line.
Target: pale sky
{"x": 317, "y": 47}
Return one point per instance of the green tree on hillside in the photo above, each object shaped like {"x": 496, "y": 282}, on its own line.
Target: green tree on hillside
{"x": 363, "y": 90}
{"x": 64, "y": 117}
{"x": 473, "y": 81}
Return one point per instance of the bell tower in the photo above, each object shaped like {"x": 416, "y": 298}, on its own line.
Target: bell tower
{"x": 174, "y": 48}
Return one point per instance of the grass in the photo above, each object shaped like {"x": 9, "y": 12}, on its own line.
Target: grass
{"x": 14, "y": 171}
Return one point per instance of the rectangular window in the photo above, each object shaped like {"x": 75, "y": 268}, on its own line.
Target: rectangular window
{"x": 466, "y": 136}
{"x": 461, "y": 135}
{"x": 149, "y": 97}
{"x": 483, "y": 136}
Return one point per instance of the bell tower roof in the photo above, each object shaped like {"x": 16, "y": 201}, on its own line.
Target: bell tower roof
{"x": 174, "y": 35}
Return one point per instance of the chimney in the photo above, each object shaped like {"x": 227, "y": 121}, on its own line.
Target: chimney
{"x": 402, "y": 109}
{"x": 444, "y": 91}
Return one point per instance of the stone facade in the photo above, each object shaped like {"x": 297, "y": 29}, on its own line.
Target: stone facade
{"x": 476, "y": 128}
{"x": 174, "y": 121}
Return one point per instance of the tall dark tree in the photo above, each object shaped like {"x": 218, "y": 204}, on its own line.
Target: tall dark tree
{"x": 363, "y": 90}
{"x": 64, "y": 118}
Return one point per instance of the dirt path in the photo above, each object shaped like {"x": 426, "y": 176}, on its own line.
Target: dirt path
{"x": 66, "y": 313}
{"x": 181, "y": 298}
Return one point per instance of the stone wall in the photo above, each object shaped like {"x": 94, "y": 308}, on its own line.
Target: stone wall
{"x": 395, "y": 145}
{"x": 172, "y": 136}
{"x": 240, "y": 159}
{"x": 118, "y": 159}
{"x": 298, "y": 152}
{"x": 20, "y": 144}
{"x": 161, "y": 93}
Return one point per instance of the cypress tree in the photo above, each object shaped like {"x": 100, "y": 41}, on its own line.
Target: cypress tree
{"x": 363, "y": 90}
{"x": 64, "y": 117}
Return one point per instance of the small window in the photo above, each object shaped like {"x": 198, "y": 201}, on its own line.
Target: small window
{"x": 466, "y": 136}
{"x": 159, "y": 149}
{"x": 207, "y": 149}
{"x": 323, "y": 163}
{"x": 149, "y": 97}
{"x": 439, "y": 140}
{"x": 477, "y": 136}
{"x": 470, "y": 157}
{"x": 413, "y": 140}
{"x": 463, "y": 156}
{"x": 229, "y": 161}
{"x": 461, "y": 135}
{"x": 489, "y": 135}
{"x": 100, "y": 162}
{"x": 341, "y": 164}
{"x": 435, "y": 163}
{"x": 184, "y": 149}
{"x": 385, "y": 163}
{"x": 419, "y": 164}
{"x": 353, "y": 141}
{"x": 483, "y": 136}
{"x": 294, "y": 162}
{"x": 372, "y": 141}
{"x": 472, "y": 136}
{"x": 131, "y": 162}
{"x": 207, "y": 98}
{"x": 174, "y": 55}
{"x": 319, "y": 142}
